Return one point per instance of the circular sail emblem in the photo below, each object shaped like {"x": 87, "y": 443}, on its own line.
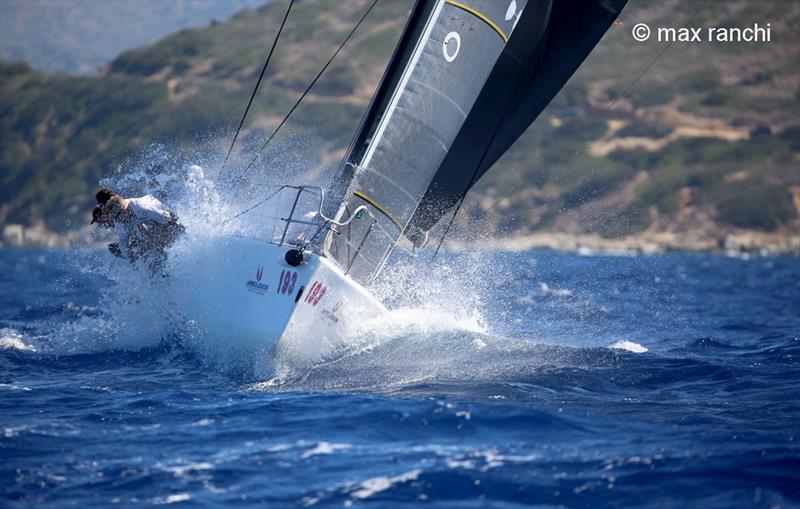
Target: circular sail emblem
{"x": 512, "y": 10}
{"x": 451, "y": 45}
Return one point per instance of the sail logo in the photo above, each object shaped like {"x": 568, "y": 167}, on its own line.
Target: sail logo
{"x": 512, "y": 10}
{"x": 451, "y": 46}
{"x": 513, "y": 13}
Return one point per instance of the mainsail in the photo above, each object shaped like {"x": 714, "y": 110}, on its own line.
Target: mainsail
{"x": 465, "y": 81}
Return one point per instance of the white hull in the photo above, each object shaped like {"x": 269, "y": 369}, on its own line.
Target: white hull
{"x": 239, "y": 294}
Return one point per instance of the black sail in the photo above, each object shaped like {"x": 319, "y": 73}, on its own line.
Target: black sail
{"x": 551, "y": 40}
{"x": 467, "y": 78}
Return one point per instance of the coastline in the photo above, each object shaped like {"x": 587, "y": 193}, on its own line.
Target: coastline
{"x": 743, "y": 241}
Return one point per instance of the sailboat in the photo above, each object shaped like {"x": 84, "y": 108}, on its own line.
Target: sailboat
{"x": 466, "y": 79}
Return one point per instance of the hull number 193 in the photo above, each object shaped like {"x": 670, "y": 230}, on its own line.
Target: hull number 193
{"x": 287, "y": 281}
{"x": 315, "y": 293}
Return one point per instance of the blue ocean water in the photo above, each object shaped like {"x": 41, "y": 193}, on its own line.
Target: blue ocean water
{"x": 502, "y": 380}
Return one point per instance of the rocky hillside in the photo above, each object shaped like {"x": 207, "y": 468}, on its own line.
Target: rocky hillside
{"x": 706, "y": 142}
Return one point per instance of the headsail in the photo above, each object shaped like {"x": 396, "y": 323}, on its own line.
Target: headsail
{"x": 551, "y": 40}
{"x": 466, "y": 80}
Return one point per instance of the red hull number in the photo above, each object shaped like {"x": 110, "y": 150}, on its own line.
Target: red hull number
{"x": 315, "y": 293}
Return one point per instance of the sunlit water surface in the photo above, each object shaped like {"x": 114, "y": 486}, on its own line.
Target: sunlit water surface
{"x": 500, "y": 380}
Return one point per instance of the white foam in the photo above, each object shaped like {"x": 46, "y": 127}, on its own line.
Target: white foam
{"x": 11, "y": 339}
{"x": 279, "y": 448}
{"x": 558, "y": 292}
{"x": 324, "y": 448}
{"x": 181, "y": 470}
{"x": 629, "y": 346}
{"x": 14, "y": 431}
{"x": 15, "y": 387}
{"x": 382, "y": 483}
{"x": 436, "y": 331}
{"x": 172, "y": 499}
{"x": 408, "y": 320}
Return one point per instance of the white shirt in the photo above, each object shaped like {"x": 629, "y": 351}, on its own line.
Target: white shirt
{"x": 148, "y": 208}
{"x": 144, "y": 209}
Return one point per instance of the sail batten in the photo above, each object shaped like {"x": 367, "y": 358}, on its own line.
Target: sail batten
{"x": 385, "y": 121}
{"x": 481, "y": 17}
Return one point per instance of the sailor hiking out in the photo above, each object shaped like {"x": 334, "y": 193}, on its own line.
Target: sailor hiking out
{"x": 145, "y": 227}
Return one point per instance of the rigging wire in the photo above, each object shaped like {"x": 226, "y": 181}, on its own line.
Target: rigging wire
{"x": 314, "y": 81}
{"x": 449, "y": 225}
{"x": 343, "y": 163}
{"x": 263, "y": 70}
{"x": 322, "y": 227}
{"x": 272, "y": 195}
{"x": 245, "y": 211}
{"x": 608, "y": 108}
{"x": 474, "y": 177}
{"x": 660, "y": 54}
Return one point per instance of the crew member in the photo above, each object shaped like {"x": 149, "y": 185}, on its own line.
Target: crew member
{"x": 144, "y": 226}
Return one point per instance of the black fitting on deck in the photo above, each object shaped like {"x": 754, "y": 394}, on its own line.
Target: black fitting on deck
{"x": 294, "y": 257}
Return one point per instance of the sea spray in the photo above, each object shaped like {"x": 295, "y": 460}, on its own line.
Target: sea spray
{"x": 438, "y": 320}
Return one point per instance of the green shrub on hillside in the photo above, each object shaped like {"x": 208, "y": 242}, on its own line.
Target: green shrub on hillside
{"x": 653, "y": 94}
{"x": 633, "y": 219}
{"x": 11, "y": 69}
{"x": 704, "y": 80}
{"x": 755, "y": 204}
{"x": 583, "y": 129}
{"x": 338, "y": 81}
{"x": 175, "y": 51}
{"x": 603, "y": 179}
{"x": 642, "y": 130}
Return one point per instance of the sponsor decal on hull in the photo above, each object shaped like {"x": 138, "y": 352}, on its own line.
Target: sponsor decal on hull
{"x": 330, "y": 314}
{"x": 257, "y": 286}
